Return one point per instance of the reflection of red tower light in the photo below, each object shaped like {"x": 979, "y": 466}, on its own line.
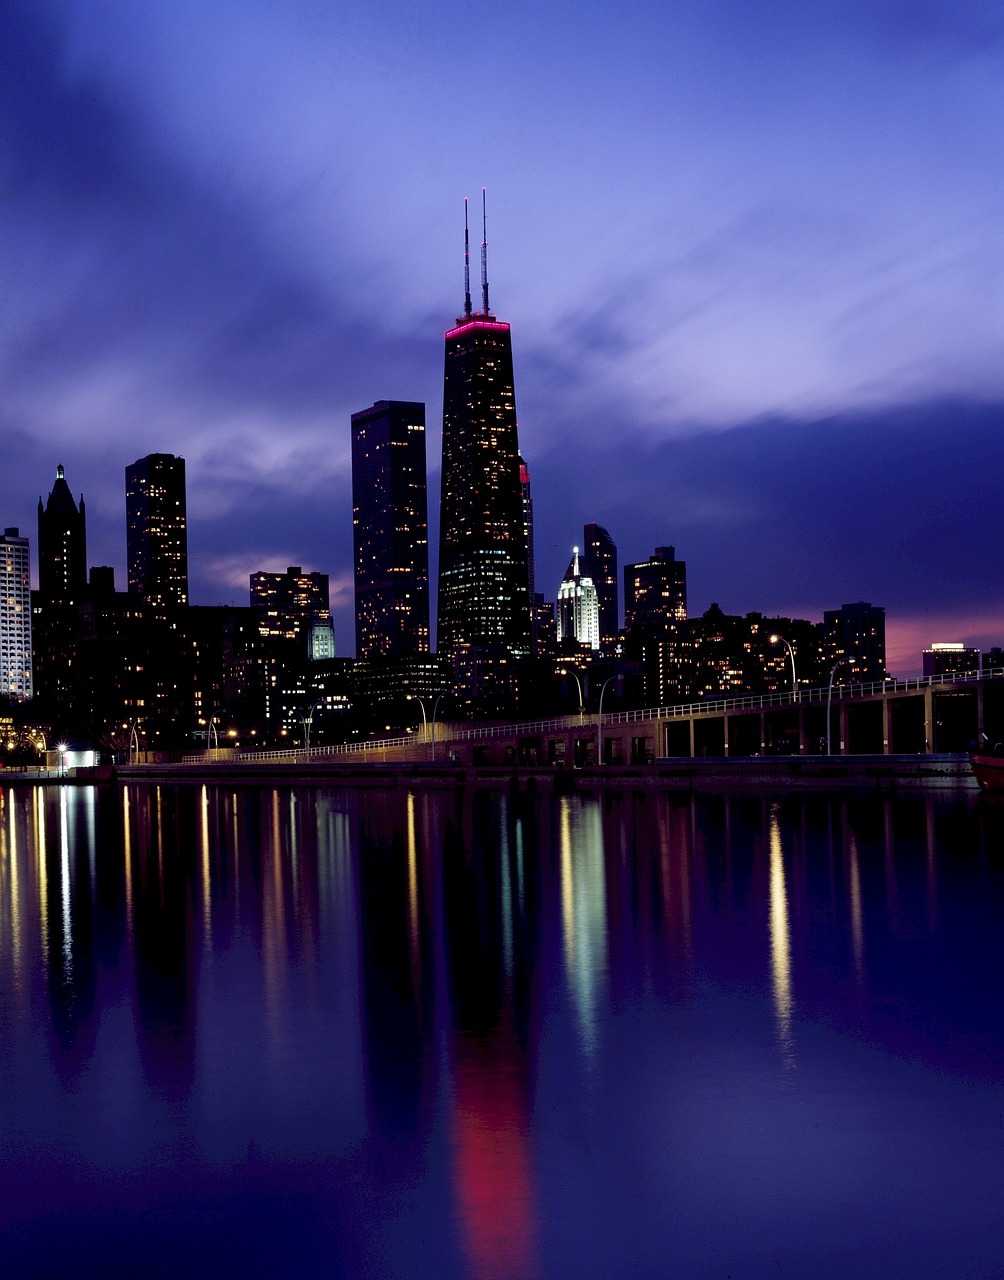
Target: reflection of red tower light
{"x": 492, "y": 1157}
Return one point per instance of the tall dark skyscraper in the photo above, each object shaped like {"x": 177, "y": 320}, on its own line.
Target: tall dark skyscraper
{"x": 390, "y": 530}
{"x": 156, "y": 530}
{"x": 62, "y": 547}
{"x": 599, "y": 556}
{"x": 484, "y": 601}
{"x": 62, "y": 587}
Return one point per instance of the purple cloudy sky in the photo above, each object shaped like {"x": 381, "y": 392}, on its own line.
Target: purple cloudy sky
{"x": 751, "y": 254}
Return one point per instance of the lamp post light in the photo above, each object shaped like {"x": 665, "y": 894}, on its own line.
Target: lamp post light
{"x": 776, "y": 639}
{"x": 413, "y": 697}
{"x": 599, "y": 719}
{"x": 308, "y": 720}
{"x": 567, "y": 671}
{"x": 62, "y": 748}
{"x": 435, "y": 708}
{"x": 211, "y": 736}
{"x": 841, "y": 662}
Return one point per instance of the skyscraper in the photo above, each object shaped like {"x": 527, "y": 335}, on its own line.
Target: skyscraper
{"x": 599, "y": 556}
{"x": 390, "y": 530}
{"x": 578, "y": 609}
{"x": 484, "y": 602}
{"x": 855, "y": 634}
{"x": 62, "y": 586}
{"x": 294, "y": 606}
{"x": 62, "y": 547}
{"x": 156, "y": 530}
{"x": 655, "y": 590}
{"x": 15, "y": 616}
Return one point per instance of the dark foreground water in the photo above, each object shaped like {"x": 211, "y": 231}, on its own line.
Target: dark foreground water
{"x": 306, "y": 1032}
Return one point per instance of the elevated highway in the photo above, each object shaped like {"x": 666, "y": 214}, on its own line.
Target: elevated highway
{"x": 892, "y": 717}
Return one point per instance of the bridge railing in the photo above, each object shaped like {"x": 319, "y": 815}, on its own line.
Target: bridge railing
{"x": 564, "y": 724}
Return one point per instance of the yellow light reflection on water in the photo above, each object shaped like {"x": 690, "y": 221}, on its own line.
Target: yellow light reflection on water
{"x": 780, "y": 942}
{"x": 583, "y": 911}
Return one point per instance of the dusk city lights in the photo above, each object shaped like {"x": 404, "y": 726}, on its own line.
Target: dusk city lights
{"x": 502, "y": 648}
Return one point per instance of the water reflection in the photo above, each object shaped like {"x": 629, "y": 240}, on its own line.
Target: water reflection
{"x": 421, "y": 1033}
{"x": 780, "y": 942}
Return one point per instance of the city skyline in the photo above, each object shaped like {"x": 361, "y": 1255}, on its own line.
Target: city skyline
{"x": 752, "y": 275}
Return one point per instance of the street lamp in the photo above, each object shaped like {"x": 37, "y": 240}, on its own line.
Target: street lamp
{"x": 308, "y": 720}
{"x": 841, "y": 662}
{"x": 413, "y": 697}
{"x": 435, "y": 708}
{"x": 776, "y": 639}
{"x": 133, "y": 743}
{"x": 211, "y": 736}
{"x": 599, "y": 719}
{"x": 62, "y": 748}
{"x": 566, "y": 671}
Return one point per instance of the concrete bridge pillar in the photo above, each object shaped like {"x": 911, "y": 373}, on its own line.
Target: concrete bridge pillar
{"x": 886, "y": 725}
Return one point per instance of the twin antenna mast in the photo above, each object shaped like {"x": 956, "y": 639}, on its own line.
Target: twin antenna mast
{"x": 484, "y": 259}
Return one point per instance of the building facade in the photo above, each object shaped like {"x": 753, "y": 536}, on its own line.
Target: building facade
{"x": 390, "y": 532}
{"x": 854, "y": 635}
{"x": 295, "y": 606}
{"x": 655, "y": 590}
{"x": 484, "y": 602}
{"x": 157, "y": 530}
{"x": 15, "y": 617}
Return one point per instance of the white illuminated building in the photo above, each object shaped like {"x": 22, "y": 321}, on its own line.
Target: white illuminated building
{"x": 15, "y": 616}
{"x": 578, "y": 607}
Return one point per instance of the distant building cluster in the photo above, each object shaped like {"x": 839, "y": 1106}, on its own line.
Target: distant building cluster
{"x": 144, "y": 669}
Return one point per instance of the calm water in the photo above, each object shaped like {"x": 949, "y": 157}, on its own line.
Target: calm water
{"x": 306, "y": 1032}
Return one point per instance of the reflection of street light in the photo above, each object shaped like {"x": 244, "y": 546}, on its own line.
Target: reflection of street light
{"x": 841, "y": 662}
{"x": 599, "y": 719}
{"x": 567, "y": 671}
{"x": 776, "y": 639}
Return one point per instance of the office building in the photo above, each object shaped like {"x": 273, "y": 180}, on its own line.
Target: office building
{"x": 578, "y": 610}
{"x": 156, "y": 530}
{"x": 599, "y": 559}
{"x": 390, "y": 530}
{"x": 951, "y": 659}
{"x": 484, "y": 600}
{"x": 854, "y": 635}
{"x": 294, "y": 606}
{"x": 655, "y": 590}
{"x": 15, "y": 617}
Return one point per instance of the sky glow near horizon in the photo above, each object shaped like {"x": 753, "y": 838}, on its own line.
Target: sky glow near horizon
{"x": 752, "y": 269}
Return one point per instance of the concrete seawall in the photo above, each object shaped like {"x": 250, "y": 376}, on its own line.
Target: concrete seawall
{"x": 886, "y": 773}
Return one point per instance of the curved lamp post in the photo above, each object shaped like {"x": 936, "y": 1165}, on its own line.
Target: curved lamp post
{"x": 413, "y": 697}
{"x": 776, "y": 639}
{"x": 841, "y": 662}
{"x": 308, "y": 720}
{"x": 567, "y": 671}
{"x": 133, "y": 743}
{"x": 435, "y": 708}
{"x": 599, "y": 719}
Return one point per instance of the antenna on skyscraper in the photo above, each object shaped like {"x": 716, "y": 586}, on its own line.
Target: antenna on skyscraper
{"x": 484, "y": 251}
{"x": 467, "y": 266}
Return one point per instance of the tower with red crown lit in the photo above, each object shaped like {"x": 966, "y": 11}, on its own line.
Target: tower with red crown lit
{"x": 483, "y": 623}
